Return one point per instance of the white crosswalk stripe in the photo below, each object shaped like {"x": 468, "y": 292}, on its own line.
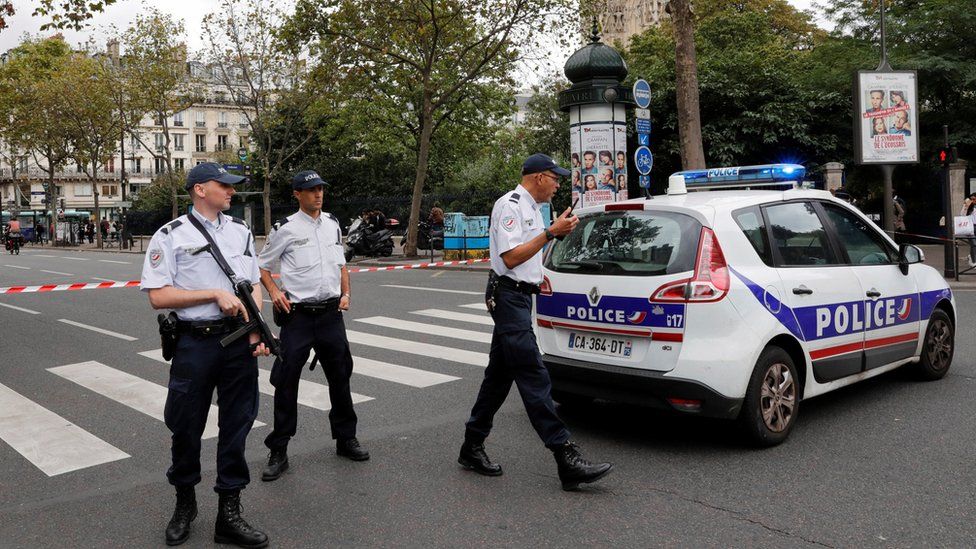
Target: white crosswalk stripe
{"x": 480, "y": 306}
{"x": 311, "y": 394}
{"x": 50, "y": 442}
{"x": 136, "y": 393}
{"x": 432, "y": 329}
{"x": 398, "y": 374}
{"x": 416, "y": 348}
{"x": 424, "y": 288}
{"x": 462, "y": 317}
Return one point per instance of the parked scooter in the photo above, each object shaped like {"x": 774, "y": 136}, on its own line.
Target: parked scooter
{"x": 429, "y": 237}
{"x": 363, "y": 239}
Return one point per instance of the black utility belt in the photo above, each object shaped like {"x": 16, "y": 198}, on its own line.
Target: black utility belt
{"x": 317, "y": 307}
{"x": 523, "y": 287}
{"x": 208, "y": 327}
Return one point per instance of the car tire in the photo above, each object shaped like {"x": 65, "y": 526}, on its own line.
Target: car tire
{"x": 937, "y": 347}
{"x": 571, "y": 400}
{"x": 772, "y": 399}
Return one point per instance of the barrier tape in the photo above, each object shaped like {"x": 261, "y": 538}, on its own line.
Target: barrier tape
{"x": 131, "y": 283}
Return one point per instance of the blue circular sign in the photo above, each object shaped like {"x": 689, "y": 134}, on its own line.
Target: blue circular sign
{"x": 643, "y": 160}
{"x": 642, "y": 93}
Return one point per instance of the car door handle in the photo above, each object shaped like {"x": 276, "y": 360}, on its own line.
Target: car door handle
{"x": 802, "y": 290}
{"x": 873, "y": 293}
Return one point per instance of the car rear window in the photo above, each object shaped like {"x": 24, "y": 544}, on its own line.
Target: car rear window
{"x": 637, "y": 243}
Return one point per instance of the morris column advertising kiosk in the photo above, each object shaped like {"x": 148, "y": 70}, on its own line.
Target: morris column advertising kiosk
{"x": 597, "y": 104}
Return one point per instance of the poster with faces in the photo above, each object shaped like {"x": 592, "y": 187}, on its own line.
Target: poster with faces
{"x": 598, "y": 162}
{"x": 886, "y": 119}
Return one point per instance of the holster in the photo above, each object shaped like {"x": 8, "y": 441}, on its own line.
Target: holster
{"x": 280, "y": 317}
{"x": 490, "y": 290}
{"x": 168, "y": 334}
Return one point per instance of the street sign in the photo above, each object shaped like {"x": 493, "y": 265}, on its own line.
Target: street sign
{"x": 237, "y": 167}
{"x": 38, "y": 193}
{"x": 642, "y": 113}
{"x": 643, "y": 125}
{"x": 644, "y": 181}
{"x": 242, "y": 154}
{"x": 644, "y": 139}
{"x": 642, "y": 93}
{"x": 644, "y": 160}
{"x": 125, "y": 203}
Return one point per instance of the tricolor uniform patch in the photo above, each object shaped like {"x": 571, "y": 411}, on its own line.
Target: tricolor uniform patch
{"x": 155, "y": 258}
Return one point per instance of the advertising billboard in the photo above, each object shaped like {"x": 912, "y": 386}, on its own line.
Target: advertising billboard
{"x": 886, "y": 117}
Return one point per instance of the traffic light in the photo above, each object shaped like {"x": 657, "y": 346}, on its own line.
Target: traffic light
{"x": 947, "y": 155}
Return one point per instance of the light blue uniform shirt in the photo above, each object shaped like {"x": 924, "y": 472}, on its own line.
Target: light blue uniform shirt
{"x": 310, "y": 253}
{"x": 169, "y": 261}
{"x": 516, "y": 219}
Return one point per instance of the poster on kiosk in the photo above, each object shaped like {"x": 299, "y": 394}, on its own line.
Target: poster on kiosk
{"x": 598, "y": 157}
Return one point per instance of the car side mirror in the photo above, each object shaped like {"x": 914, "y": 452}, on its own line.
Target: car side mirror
{"x": 907, "y": 255}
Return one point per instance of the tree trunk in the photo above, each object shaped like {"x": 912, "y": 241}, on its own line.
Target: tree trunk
{"x": 98, "y": 216}
{"x": 172, "y": 189}
{"x": 52, "y": 227}
{"x": 266, "y": 197}
{"x": 423, "y": 157}
{"x": 686, "y": 81}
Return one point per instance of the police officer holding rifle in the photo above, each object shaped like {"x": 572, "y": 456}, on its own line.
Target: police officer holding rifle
{"x": 308, "y": 246}
{"x": 517, "y": 236}
{"x": 203, "y": 266}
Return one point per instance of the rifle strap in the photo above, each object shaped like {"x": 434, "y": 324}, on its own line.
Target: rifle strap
{"x": 214, "y": 249}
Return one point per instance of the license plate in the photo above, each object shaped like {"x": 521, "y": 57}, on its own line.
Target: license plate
{"x": 600, "y": 344}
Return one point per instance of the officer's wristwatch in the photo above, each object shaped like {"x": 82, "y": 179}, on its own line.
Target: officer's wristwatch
{"x": 549, "y": 235}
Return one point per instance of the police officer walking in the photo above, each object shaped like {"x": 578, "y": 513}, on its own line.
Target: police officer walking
{"x": 177, "y": 276}
{"x": 516, "y": 240}
{"x": 308, "y": 245}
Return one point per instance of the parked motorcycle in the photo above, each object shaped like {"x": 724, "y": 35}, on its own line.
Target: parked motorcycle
{"x": 429, "y": 237}
{"x": 363, "y": 239}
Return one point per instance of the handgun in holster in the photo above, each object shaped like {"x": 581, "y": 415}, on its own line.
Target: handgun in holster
{"x": 168, "y": 334}
{"x": 490, "y": 291}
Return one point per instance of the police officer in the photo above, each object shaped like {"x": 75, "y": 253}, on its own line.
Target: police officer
{"x": 308, "y": 245}
{"x": 204, "y": 301}
{"x": 516, "y": 240}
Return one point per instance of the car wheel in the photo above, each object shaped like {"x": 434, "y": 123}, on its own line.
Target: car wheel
{"x": 937, "y": 348}
{"x": 571, "y": 400}
{"x": 772, "y": 398}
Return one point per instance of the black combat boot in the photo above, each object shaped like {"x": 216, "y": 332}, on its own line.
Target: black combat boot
{"x": 574, "y": 469}
{"x": 277, "y": 465}
{"x": 474, "y": 457}
{"x": 350, "y": 448}
{"x": 232, "y": 528}
{"x": 178, "y": 529}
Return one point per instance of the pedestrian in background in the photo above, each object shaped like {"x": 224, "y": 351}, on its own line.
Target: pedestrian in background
{"x": 517, "y": 236}
{"x": 90, "y": 231}
{"x": 178, "y": 276}
{"x": 968, "y": 206}
{"x": 308, "y": 246}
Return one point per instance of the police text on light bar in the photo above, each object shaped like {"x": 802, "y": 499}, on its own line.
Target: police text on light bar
{"x": 739, "y": 176}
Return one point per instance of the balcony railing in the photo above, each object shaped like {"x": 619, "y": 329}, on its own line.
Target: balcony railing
{"x": 178, "y": 123}
{"x": 201, "y": 124}
{"x": 221, "y": 124}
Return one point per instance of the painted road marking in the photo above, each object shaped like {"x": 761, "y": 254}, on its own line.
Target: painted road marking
{"x": 56, "y": 273}
{"x": 116, "y": 262}
{"x": 398, "y": 374}
{"x": 451, "y": 315}
{"x": 18, "y": 267}
{"x": 21, "y": 309}
{"x": 99, "y": 330}
{"x": 416, "y": 348}
{"x": 50, "y": 442}
{"x": 431, "y": 289}
{"x": 431, "y": 329}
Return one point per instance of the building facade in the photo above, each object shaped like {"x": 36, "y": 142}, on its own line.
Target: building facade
{"x": 622, "y": 19}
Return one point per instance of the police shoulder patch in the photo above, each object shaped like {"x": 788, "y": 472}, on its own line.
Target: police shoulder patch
{"x": 155, "y": 257}
{"x": 508, "y": 223}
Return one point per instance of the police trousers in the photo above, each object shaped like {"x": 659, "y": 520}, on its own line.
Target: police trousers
{"x": 326, "y": 333}
{"x": 199, "y": 366}
{"x": 515, "y": 357}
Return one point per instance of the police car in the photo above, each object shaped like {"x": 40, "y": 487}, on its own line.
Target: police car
{"x": 736, "y": 303}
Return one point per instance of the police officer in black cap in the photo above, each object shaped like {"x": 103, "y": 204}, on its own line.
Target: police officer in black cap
{"x": 176, "y": 276}
{"x": 308, "y": 245}
{"x": 517, "y": 236}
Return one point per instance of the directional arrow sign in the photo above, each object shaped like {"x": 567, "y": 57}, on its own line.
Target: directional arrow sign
{"x": 644, "y": 160}
{"x": 644, "y": 181}
{"x": 644, "y": 139}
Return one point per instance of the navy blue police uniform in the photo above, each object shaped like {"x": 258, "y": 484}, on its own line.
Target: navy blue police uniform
{"x": 200, "y": 364}
{"x": 311, "y": 258}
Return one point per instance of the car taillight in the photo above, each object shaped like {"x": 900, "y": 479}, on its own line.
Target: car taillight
{"x": 546, "y": 287}
{"x": 710, "y": 281}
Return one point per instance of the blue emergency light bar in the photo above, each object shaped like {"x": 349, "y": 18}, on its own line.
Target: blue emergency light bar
{"x": 744, "y": 176}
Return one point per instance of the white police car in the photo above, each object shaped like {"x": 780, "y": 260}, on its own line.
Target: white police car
{"x": 736, "y": 303}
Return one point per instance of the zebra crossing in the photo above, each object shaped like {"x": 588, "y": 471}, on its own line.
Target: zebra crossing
{"x": 55, "y": 445}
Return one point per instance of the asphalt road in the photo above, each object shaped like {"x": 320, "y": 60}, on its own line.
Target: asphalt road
{"x": 884, "y": 463}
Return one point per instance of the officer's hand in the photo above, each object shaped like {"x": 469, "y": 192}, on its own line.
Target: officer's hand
{"x": 229, "y": 304}
{"x": 344, "y": 303}
{"x": 281, "y": 302}
{"x": 564, "y": 224}
{"x": 260, "y": 349}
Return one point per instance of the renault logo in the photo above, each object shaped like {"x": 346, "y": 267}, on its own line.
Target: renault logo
{"x": 594, "y": 296}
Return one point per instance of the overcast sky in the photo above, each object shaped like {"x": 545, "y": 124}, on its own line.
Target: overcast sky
{"x": 124, "y": 11}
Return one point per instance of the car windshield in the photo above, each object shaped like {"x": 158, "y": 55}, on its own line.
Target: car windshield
{"x": 635, "y": 243}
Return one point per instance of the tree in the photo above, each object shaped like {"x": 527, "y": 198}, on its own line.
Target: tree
{"x": 155, "y": 83}
{"x": 64, "y": 14}
{"x": 426, "y": 60}
{"x": 686, "y": 79}
{"x": 31, "y": 83}
{"x": 256, "y": 69}
{"x": 90, "y": 117}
